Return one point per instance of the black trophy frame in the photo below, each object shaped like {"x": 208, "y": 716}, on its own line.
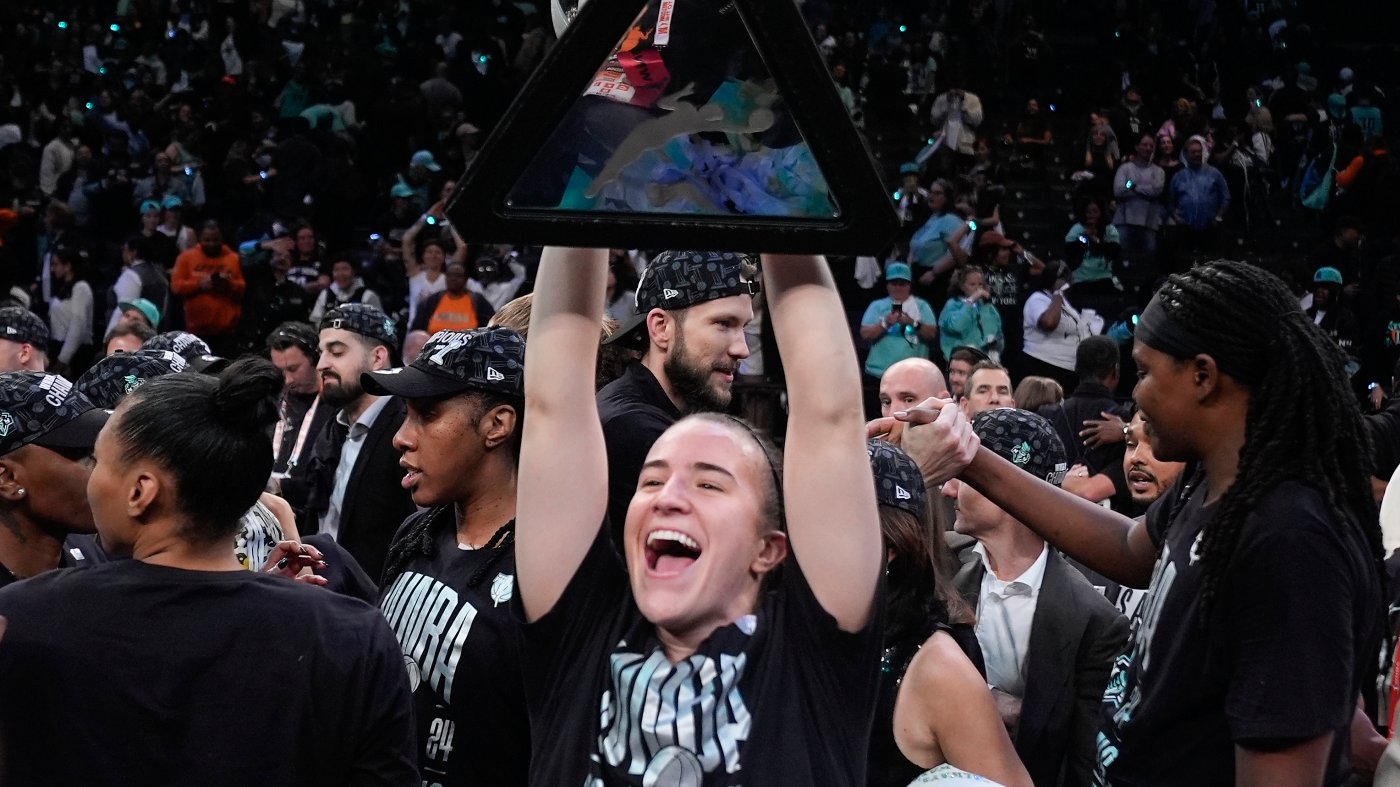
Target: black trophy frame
{"x": 866, "y": 222}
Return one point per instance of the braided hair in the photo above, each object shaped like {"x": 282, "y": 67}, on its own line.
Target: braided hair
{"x": 1303, "y": 423}
{"x": 421, "y": 536}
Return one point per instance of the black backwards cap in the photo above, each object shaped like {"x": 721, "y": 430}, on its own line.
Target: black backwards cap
{"x": 1024, "y": 439}
{"x": 23, "y": 326}
{"x": 453, "y": 362}
{"x": 898, "y": 482}
{"x": 363, "y": 319}
{"x": 46, "y": 410}
{"x": 190, "y": 347}
{"x": 681, "y": 279}
{"x": 112, "y": 378}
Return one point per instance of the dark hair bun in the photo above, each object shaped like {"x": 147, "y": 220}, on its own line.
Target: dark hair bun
{"x": 246, "y": 393}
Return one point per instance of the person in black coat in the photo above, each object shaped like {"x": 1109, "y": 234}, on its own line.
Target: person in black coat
{"x": 352, "y": 488}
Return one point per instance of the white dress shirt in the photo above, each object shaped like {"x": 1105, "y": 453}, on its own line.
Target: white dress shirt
{"x": 349, "y": 454}
{"x": 1004, "y": 614}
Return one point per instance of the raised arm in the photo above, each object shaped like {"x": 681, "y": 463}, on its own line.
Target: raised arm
{"x": 1109, "y": 543}
{"x": 563, "y": 488}
{"x": 409, "y": 247}
{"x": 827, "y": 486}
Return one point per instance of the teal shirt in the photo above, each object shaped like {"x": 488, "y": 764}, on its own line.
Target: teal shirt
{"x": 899, "y": 341}
{"x": 930, "y": 243}
{"x": 1094, "y": 267}
{"x": 975, "y": 325}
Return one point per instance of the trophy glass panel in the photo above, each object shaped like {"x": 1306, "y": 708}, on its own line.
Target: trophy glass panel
{"x": 683, "y": 119}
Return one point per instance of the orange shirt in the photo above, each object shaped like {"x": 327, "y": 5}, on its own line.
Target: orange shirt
{"x": 454, "y": 313}
{"x": 215, "y": 311}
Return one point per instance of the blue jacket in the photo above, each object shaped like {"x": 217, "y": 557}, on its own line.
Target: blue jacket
{"x": 1199, "y": 195}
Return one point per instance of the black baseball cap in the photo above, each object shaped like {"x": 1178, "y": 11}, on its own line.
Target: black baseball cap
{"x": 681, "y": 279}
{"x": 112, "y": 378}
{"x": 46, "y": 410}
{"x": 23, "y": 326}
{"x": 898, "y": 482}
{"x": 1024, "y": 439}
{"x": 368, "y": 321}
{"x": 453, "y": 362}
{"x": 300, "y": 334}
{"x": 190, "y": 347}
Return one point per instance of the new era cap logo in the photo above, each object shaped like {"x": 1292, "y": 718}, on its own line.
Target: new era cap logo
{"x": 10, "y": 330}
{"x": 900, "y": 493}
{"x": 670, "y": 293}
{"x": 493, "y": 376}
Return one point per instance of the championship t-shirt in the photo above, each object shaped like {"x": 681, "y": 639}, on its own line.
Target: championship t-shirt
{"x": 779, "y": 697}
{"x": 461, "y": 647}
{"x": 130, "y": 673}
{"x": 1295, "y": 621}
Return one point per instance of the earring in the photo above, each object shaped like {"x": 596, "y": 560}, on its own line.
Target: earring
{"x": 20, "y": 491}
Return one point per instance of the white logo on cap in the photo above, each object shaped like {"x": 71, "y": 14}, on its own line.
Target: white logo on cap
{"x": 900, "y": 493}
{"x": 449, "y": 341}
{"x": 669, "y": 294}
{"x": 493, "y": 376}
{"x": 9, "y": 329}
{"x": 7, "y": 422}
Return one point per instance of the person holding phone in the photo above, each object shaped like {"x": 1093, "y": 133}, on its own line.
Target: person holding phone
{"x": 898, "y": 326}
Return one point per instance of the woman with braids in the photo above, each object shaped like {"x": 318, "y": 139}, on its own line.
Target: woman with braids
{"x": 690, "y": 658}
{"x": 1262, "y": 567}
{"x": 179, "y": 658}
{"x": 451, "y": 567}
{"x": 935, "y": 714}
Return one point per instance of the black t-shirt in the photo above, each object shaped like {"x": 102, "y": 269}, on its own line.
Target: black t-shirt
{"x": 462, "y": 648}
{"x": 780, "y": 697}
{"x": 635, "y": 411}
{"x": 1292, "y": 628}
{"x": 131, "y": 673}
{"x": 79, "y": 551}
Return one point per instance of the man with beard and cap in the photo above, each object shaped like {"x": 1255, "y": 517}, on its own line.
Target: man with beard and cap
{"x": 23, "y": 339}
{"x": 352, "y": 488}
{"x": 692, "y": 307}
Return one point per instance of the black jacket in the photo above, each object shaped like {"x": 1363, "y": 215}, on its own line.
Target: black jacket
{"x": 1075, "y": 637}
{"x": 375, "y": 502}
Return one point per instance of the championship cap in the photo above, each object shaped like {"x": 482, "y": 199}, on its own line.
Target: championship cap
{"x": 452, "y": 362}
{"x": 898, "y": 482}
{"x": 23, "y": 327}
{"x": 112, "y": 378}
{"x": 46, "y": 410}
{"x": 1024, "y": 439}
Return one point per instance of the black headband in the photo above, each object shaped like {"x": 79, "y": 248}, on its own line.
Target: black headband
{"x": 1158, "y": 329}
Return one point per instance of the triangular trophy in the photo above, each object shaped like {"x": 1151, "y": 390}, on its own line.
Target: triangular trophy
{"x": 659, "y": 124}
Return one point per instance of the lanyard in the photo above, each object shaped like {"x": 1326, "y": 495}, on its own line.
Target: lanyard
{"x": 281, "y": 430}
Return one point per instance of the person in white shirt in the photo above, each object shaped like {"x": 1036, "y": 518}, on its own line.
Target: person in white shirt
{"x": 1048, "y": 637}
{"x": 70, "y": 313}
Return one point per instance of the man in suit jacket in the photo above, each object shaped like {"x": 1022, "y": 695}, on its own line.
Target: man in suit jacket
{"x": 352, "y": 490}
{"x": 1048, "y": 637}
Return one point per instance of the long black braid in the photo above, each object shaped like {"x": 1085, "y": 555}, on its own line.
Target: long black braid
{"x": 1303, "y": 422}
{"x": 421, "y": 539}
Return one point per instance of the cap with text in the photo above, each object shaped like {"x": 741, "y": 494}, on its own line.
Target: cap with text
{"x": 491, "y": 360}
{"x": 193, "y": 349}
{"x": 1024, "y": 439}
{"x": 46, "y": 410}
{"x": 112, "y": 378}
